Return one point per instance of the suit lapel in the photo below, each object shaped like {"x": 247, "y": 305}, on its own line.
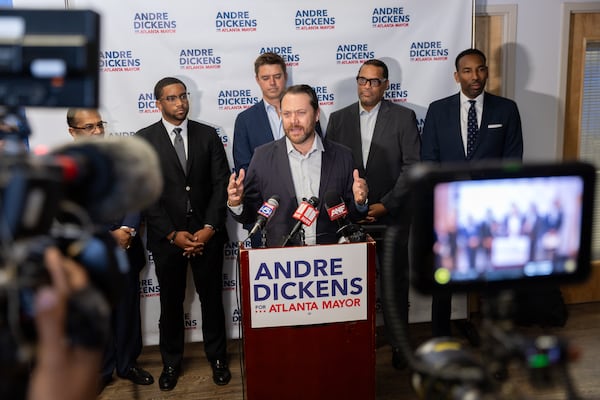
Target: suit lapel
{"x": 263, "y": 119}
{"x": 355, "y": 137}
{"x": 454, "y": 128}
{"x": 165, "y": 145}
{"x": 281, "y": 159}
{"x": 327, "y": 163}
{"x": 192, "y": 143}
{"x": 485, "y": 117}
{"x": 379, "y": 130}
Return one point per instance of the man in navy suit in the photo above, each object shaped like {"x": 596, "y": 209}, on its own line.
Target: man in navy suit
{"x": 260, "y": 123}
{"x": 445, "y": 138}
{"x": 124, "y": 345}
{"x": 384, "y": 141}
{"x": 297, "y": 166}
{"x": 186, "y": 227}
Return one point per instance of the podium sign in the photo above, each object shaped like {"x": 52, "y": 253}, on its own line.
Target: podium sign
{"x": 291, "y": 286}
{"x": 308, "y": 315}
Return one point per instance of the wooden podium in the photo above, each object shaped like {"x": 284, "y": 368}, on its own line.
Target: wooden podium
{"x": 308, "y": 316}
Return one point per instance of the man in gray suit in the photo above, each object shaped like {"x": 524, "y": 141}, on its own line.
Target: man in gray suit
{"x": 385, "y": 141}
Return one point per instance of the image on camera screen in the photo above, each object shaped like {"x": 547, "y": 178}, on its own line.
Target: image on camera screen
{"x": 506, "y": 229}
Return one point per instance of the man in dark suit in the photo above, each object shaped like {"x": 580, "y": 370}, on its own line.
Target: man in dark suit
{"x": 124, "y": 345}
{"x": 186, "y": 226}
{"x": 495, "y": 134}
{"x": 385, "y": 141}
{"x": 300, "y": 165}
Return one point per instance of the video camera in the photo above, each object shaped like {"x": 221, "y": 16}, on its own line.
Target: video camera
{"x": 493, "y": 227}
{"x": 68, "y": 199}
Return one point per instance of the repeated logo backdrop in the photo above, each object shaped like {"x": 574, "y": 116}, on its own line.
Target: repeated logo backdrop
{"x": 212, "y": 46}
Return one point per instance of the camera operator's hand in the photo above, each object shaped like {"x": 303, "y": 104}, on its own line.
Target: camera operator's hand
{"x": 62, "y": 371}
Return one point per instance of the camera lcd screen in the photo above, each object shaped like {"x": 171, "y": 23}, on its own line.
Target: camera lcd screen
{"x": 500, "y": 226}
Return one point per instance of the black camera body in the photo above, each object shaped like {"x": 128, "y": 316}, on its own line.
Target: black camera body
{"x": 497, "y": 228}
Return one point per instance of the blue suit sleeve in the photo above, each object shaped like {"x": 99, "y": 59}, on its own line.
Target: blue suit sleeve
{"x": 242, "y": 151}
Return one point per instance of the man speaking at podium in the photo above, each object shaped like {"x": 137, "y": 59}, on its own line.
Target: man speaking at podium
{"x": 298, "y": 167}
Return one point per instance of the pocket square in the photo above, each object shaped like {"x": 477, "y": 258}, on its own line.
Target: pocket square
{"x": 493, "y": 126}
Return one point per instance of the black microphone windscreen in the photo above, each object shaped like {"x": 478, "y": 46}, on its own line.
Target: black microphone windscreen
{"x": 332, "y": 199}
{"x": 121, "y": 174}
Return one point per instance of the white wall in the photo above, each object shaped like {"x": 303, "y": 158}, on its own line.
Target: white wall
{"x": 538, "y": 74}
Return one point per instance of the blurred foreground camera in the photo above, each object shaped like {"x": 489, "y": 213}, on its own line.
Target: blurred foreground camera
{"x": 68, "y": 199}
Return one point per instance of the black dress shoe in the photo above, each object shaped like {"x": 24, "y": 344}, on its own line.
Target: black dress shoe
{"x": 398, "y": 359}
{"x": 221, "y": 374}
{"x": 139, "y": 376}
{"x": 168, "y": 378}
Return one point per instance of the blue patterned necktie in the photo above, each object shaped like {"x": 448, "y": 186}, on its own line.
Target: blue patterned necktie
{"x": 179, "y": 149}
{"x": 471, "y": 128}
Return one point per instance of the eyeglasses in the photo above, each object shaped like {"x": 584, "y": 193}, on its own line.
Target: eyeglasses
{"x": 375, "y": 82}
{"x": 90, "y": 127}
{"x": 173, "y": 99}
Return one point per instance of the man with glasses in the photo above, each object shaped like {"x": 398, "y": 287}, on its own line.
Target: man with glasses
{"x": 186, "y": 226}
{"x": 385, "y": 141}
{"x": 125, "y": 344}
{"x": 85, "y": 122}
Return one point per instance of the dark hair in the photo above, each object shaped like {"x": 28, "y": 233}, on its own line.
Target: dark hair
{"x": 376, "y": 63}
{"x": 468, "y": 52}
{"x": 306, "y": 89}
{"x": 269, "y": 58}
{"x": 160, "y": 85}
{"x": 72, "y": 112}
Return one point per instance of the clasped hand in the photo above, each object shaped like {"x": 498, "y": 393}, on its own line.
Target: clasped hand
{"x": 193, "y": 243}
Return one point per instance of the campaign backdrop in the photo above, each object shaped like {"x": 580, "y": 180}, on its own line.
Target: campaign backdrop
{"x": 212, "y": 46}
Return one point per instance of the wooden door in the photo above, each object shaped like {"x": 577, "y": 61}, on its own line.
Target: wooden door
{"x": 584, "y": 30}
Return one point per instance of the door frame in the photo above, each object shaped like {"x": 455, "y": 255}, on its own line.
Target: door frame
{"x": 509, "y": 34}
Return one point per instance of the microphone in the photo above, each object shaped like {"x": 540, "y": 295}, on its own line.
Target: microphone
{"x": 306, "y": 214}
{"x": 337, "y": 211}
{"x": 110, "y": 177}
{"x": 264, "y": 213}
